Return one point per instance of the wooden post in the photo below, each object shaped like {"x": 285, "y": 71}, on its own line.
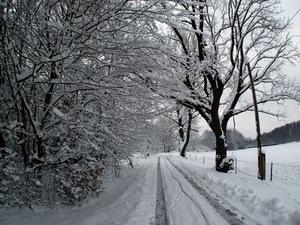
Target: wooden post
{"x": 261, "y": 155}
{"x": 235, "y": 166}
{"x": 271, "y": 173}
{"x": 203, "y": 159}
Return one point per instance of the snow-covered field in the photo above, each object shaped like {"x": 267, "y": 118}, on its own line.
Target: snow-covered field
{"x": 270, "y": 202}
{"x": 132, "y": 199}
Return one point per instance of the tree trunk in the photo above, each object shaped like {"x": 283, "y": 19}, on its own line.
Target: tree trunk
{"x": 183, "y": 150}
{"x": 2, "y": 141}
{"x": 188, "y": 132}
{"x": 221, "y": 152}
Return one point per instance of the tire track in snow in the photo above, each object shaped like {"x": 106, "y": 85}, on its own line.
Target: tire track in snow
{"x": 160, "y": 209}
{"x": 227, "y": 214}
{"x": 190, "y": 197}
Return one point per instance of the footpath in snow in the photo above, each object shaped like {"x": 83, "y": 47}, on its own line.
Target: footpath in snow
{"x": 169, "y": 189}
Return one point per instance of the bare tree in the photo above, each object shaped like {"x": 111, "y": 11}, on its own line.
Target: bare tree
{"x": 68, "y": 92}
{"x": 184, "y": 118}
{"x": 68, "y": 62}
{"x": 213, "y": 41}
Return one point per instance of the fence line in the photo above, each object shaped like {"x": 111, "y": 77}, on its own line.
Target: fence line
{"x": 248, "y": 162}
{"x": 275, "y": 172}
{"x": 288, "y": 165}
{"x": 51, "y": 186}
{"x": 39, "y": 187}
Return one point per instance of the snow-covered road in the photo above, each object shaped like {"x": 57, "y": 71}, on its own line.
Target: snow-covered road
{"x": 135, "y": 200}
{"x": 184, "y": 204}
{"x": 167, "y": 189}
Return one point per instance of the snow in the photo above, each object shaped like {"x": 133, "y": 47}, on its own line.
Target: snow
{"x": 132, "y": 198}
{"x": 246, "y": 59}
{"x": 276, "y": 202}
{"x": 182, "y": 198}
{"x": 59, "y": 113}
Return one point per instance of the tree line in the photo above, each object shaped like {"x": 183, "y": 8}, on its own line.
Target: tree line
{"x": 236, "y": 140}
{"x": 281, "y": 135}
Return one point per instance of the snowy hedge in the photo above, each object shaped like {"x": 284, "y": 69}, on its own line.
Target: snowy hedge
{"x": 52, "y": 184}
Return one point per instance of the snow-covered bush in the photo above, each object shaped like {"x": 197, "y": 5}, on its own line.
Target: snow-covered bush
{"x": 53, "y": 184}
{"x": 227, "y": 163}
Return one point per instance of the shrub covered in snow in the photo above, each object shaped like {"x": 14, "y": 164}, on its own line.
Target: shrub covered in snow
{"x": 52, "y": 184}
{"x": 227, "y": 164}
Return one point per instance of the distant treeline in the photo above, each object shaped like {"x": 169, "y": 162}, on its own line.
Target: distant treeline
{"x": 280, "y": 135}
{"x": 287, "y": 133}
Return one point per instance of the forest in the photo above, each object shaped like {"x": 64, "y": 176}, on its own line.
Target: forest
{"x": 84, "y": 85}
{"x": 236, "y": 140}
{"x": 287, "y": 133}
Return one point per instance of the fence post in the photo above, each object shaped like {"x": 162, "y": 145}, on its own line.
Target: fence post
{"x": 235, "y": 166}
{"x": 203, "y": 159}
{"x": 195, "y": 157}
{"x": 271, "y": 173}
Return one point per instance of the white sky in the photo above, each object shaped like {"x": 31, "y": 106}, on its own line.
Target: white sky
{"x": 245, "y": 122}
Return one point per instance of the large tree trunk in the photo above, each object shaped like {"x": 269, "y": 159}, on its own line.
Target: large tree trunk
{"x": 219, "y": 130}
{"x": 221, "y": 152}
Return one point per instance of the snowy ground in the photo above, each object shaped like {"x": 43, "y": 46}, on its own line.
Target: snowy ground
{"x": 193, "y": 193}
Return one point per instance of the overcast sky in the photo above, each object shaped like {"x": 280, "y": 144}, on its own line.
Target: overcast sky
{"x": 245, "y": 122}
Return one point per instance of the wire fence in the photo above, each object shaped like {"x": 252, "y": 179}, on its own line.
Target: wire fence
{"x": 42, "y": 187}
{"x": 276, "y": 172}
{"x": 51, "y": 186}
{"x": 286, "y": 173}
